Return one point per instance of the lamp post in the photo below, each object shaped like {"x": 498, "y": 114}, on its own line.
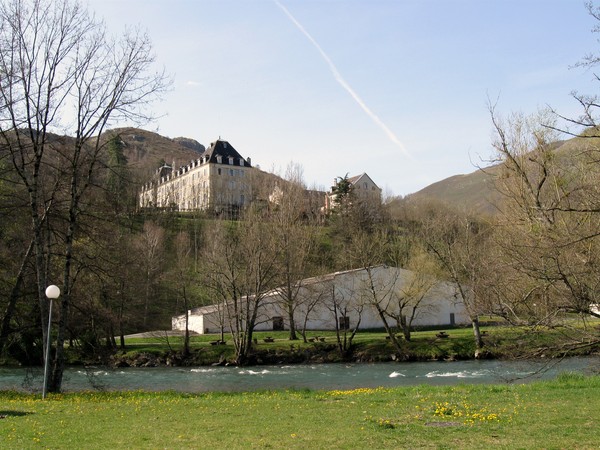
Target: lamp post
{"x": 52, "y": 292}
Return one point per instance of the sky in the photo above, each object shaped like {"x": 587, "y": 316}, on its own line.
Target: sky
{"x": 398, "y": 89}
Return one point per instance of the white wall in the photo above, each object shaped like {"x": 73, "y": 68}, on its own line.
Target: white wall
{"x": 195, "y": 323}
{"x": 350, "y": 290}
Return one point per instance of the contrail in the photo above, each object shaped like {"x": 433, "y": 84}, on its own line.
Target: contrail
{"x": 338, "y": 77}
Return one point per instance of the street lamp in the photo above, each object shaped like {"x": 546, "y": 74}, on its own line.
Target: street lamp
{"x": 52, "y": 292}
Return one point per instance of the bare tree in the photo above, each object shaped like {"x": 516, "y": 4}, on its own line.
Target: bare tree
{"x": 62, "y": 73}
{"x": 184, "y": 276}
{"x": 346, "y": 310}
{"x": 241, "y": 270}
{"x": 551, "y": 202}
{"x": 549, "y": 231}
{"x": 589, "y": 103}
{"x": 312, "y": 296}
{"x": 456, "y": 243}
{"x": 294, "y": 231}
{"x": 367, "y": 251}
{"x": 407, "y": 301}
{"x": 150, "y": 245}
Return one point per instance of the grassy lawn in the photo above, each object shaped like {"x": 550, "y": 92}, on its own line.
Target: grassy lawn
{"x": 558, "y": 414}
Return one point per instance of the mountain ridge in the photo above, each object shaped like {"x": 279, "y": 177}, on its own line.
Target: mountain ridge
{"x": 475, "y": 192}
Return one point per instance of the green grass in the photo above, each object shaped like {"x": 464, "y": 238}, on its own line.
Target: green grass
{"x": 558, "y": 414}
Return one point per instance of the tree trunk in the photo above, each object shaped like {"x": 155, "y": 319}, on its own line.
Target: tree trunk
{"x": 186, "y": 338}
{"x": 477, "y": 333}
{"x": 406, "y": 333}
{"x": 388, "y": 329}
{"x": 59, "y": 362}
{"x": 121, "y": 330}
{"x": 12, "y": 301}
{"x": 293, "y": 336}
{"x": 405, "y": 327}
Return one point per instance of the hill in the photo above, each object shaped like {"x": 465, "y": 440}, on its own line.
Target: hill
{"x": 472, "y": 192}
{"x": 146, "y": 150}
{"x": 475, "y": 192}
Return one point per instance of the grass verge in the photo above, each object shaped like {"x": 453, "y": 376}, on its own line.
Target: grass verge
{"x": 557, "y": 414}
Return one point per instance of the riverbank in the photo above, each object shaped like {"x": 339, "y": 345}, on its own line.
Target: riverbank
{"x": 536, "y": 415}
{"x": 165, "y": 348}
{"x": 162, "y": 349}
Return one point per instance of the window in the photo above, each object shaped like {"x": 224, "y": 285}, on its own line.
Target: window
{"x": 344, "y": 322}
{"x": 219, "y": 171}
{"x": 230, "y": 172}
{"x": 231, "y": 161}
{"x": 278, "y": 323}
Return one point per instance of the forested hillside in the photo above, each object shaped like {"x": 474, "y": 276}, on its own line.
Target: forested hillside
{"x": 145, "y": 150}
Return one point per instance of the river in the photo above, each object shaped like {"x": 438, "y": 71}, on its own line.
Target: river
{"x": 315, "y": 376}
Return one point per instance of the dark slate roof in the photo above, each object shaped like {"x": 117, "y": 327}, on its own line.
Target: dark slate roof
{"x": 226, "y": 151}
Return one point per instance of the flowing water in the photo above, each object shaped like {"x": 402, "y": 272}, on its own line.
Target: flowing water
{"x": 316, "y": 376}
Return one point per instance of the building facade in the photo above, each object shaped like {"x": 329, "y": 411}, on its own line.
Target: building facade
{"x": 360, "y": 188}
{"x": 430, "y": 302}
{"x": 219, "y": 180}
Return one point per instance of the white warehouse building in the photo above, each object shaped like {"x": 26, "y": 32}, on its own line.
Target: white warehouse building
{"x": 349, "y": 294}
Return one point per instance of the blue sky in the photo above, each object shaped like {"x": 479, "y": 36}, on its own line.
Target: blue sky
{"x": 395, "y": 88}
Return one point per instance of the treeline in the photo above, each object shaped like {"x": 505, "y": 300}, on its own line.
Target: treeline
{"x": 69, "y": 217}
{"x": 134, "y": 269}
{"x": 62, "y": 73}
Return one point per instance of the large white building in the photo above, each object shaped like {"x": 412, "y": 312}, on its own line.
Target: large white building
{"x": 435, "y": 303}
{"x": 219, "y": 180}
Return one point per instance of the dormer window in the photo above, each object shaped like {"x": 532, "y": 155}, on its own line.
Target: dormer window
{"x": 231, "y": 161}
{"x": 241, "y": 161}
{"x": 219, "y": 159}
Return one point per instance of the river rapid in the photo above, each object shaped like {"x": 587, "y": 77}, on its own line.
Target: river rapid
{"x": 313, "y": 376}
